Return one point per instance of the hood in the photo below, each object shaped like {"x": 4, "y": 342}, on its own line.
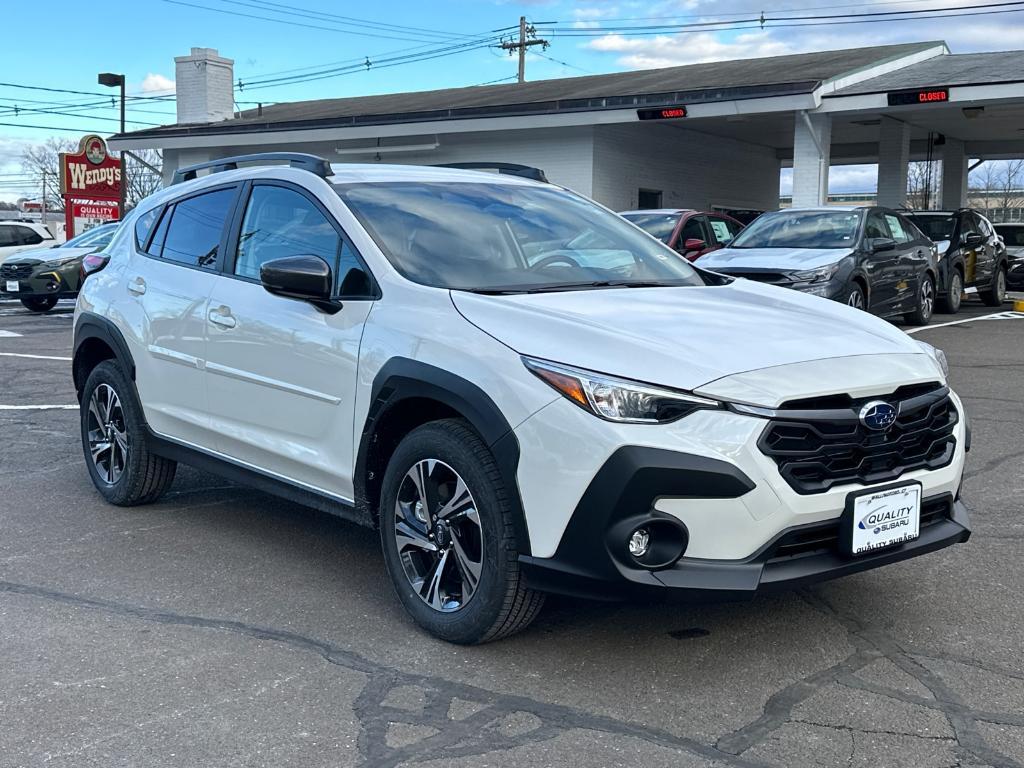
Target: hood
{"x": 681, "y": 337}
{"x": 781, "y": 259}
{"x": 39, "y": 255}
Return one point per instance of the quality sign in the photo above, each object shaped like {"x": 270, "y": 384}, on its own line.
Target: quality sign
{"x": 90, "y": 172}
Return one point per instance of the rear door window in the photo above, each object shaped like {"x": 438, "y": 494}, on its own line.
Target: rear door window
{"x": 143, "y": 226}
{"x": 196, "y": 229}
{"x": 692, "y": 230}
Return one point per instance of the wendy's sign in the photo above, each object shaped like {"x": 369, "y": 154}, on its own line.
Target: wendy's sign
{"x": 90, "y": 172}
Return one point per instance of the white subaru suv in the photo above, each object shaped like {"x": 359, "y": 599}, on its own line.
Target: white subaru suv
{"x": 522, "y": 391}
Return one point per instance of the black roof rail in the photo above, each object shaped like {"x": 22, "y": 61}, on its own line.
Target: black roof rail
{"x": 509, "y": 169}
{"x": 310, "y": 163}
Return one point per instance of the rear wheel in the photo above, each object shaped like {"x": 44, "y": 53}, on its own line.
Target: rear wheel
{"x": 855, "y": 297}
{"x": 115, "y": 442}
{"x": 993, "y": 295}
{"x": 922, "y": 314}
{"x": 950, "y": 304}
{"x": 40, "y": 303}
{"x": 448, "y": 537}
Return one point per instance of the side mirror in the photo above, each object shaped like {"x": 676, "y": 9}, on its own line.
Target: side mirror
{"x": 307, "y": 278}
{"x": 973, "y": 239}
{"x": 694, "y": 244}
{"x": 880, "y": 244}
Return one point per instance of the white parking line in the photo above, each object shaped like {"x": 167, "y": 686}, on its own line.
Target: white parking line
{"x": 9, "y": 335}
{"x": 992, "y": 316}
{"x": 35, "y": 357}
{"x": 38, "y": 407}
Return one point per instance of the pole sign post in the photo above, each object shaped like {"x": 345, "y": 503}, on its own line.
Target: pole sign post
{"x": 90, "y": 182}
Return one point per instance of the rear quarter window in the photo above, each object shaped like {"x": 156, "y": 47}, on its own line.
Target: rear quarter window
{"x": 143, "y": 226}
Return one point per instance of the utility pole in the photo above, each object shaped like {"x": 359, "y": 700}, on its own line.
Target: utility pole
{"x": 527, "y": 37}
{"x": 42, "y": 202}
{"x": 112, "y": 80}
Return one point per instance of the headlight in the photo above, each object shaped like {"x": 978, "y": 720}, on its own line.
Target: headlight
{"x": 615, "y": 399}
{"x": 820, "y": 275}
{"x": 938, "y": 355}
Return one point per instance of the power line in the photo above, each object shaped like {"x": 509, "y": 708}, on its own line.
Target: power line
{"x": 764, "y": 21}
{"x": 563, "y": 63}
{"x": 319, "y": 27}
{"x": 347, "y": 20}
{"x": 599, "y": 20}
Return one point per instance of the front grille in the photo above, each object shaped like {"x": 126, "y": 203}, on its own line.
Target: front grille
{"x": 818, "y": 449}
{"x": 824, "y": 537}
{"x": 16, "y": 271}
{"x": 760, "y": 277}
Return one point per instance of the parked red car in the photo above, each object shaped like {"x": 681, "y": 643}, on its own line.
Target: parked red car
{"x": 691, "y": 233}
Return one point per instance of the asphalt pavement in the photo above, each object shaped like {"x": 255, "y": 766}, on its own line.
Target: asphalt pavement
{"x": 224, "y": 627}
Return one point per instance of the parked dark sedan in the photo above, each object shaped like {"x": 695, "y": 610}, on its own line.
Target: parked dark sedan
{"x": 691, "y": 233}
{"x": 971, "y": 255}
{"x": 39, "y": 278}
{"x": 871, "y": 258}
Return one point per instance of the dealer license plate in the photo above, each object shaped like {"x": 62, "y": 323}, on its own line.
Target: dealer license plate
{"x": 12, "y": 286}
{"x": 882, "y": 518}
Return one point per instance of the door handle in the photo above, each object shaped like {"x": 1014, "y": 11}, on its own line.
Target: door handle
{"x": 221, "y": 316}
{"x": 137, "y": 286}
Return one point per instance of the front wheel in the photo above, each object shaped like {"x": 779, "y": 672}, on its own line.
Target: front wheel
{"x": 855, "y": 297}
{"x": 449, "y": 538}
{"x": 950, "y": 304}
{"x": 922, "y": 314}
{"x": 115, "y": 442}
{"x": 39, "y": 303}
{"x": 993, "y": 296}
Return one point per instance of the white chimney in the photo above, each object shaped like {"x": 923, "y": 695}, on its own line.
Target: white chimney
{"x": 204, "y": 84}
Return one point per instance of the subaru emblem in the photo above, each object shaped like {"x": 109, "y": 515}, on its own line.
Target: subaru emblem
{"x": 877, "y": 415}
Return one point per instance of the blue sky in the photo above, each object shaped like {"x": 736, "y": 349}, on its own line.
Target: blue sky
{"x": 71, "y": 42}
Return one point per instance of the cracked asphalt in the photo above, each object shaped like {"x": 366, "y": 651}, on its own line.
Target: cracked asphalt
{"x": 224, "y": 627}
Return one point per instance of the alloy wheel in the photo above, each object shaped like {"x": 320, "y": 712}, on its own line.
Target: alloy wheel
{"x": 856, "y": 299}
{"x": 1000, "y": 285}
{"x": 107, "y": 434}
{"x": 438, "y": 535}
{"x": 927, "y": 297}
{"x": 956, "y": 290}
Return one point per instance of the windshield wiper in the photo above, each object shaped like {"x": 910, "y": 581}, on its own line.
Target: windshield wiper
{"x": 580, "y": 286}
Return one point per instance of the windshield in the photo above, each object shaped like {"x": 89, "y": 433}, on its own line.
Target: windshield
{"x": 935, "y": 227}
{"x": 1012, "y": 236}
{"x": 98, "y": 237}
{"x": 661, "y": 225}
{"x": 493, "y": 237}
{"x": 801, "y": 229}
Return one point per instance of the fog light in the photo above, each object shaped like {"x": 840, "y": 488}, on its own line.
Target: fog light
{"x": 639, "y": 542}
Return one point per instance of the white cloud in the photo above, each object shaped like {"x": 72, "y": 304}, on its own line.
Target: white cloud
{"x": 156, "y": 83}
{"x": 673, "y": 50}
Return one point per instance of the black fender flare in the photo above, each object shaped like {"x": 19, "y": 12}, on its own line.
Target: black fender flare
{"x": 92, "y": 326}
{"x": 403, "y": 378}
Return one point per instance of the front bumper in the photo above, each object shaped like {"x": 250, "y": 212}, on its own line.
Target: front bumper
{"x": 1015, "y": 273}
{"x": 61, "y": 282}
{"x": 702, "y": 478}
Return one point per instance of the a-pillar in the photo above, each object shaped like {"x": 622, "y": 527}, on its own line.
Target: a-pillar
{"x": 893, "y": 162}
{"x": 954, "y": 175}
{"x": 812, "y": 145}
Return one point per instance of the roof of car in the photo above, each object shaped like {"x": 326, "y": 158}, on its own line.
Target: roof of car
{"x": 665, "y": 211}
{"x": 825, "y": 208}
{"x": 344, "y": 173}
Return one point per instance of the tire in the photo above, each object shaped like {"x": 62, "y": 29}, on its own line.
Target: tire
{"x": 437, "y": 457}
{"x": 855, "y": 297}
{"x": 993, "y": 295}
{"x": 922, "y": 314}
{"x": 950, "y": 303}
{"x": 40, "y": 303}
{"x": 125, "y": 472}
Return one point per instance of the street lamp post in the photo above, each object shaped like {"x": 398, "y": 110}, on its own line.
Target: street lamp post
{"x": 111, "y": 80}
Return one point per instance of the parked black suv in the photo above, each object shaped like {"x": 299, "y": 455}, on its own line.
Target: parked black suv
{"x": 971, "y": 255}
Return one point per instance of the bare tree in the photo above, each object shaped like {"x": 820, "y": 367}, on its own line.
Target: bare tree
{"x": 143, "y": 171}
{"x": 1010, "y": 183}
{"x": 922, "y": 184}
{"x": 44, "y": 158}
